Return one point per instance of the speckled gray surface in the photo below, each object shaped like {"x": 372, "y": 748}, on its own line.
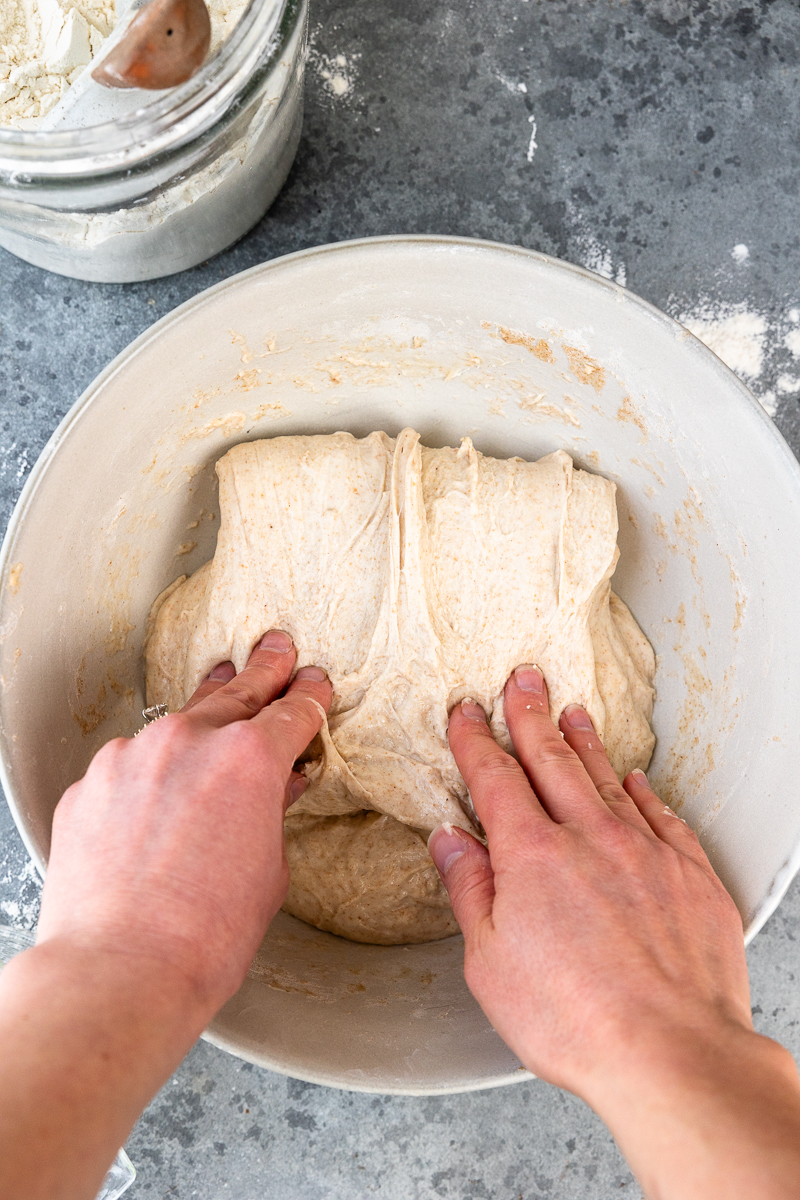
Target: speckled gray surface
{"x": 642, "y": 139}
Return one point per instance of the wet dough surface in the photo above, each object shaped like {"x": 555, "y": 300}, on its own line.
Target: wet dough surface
{"x": 415, "y": 577}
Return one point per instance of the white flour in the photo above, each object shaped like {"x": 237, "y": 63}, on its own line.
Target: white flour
{"x": 191, "y": 215}
{"x": 337, "y": 71}
{"x": 737, "y": 338}
{"x": 757, "y": 346}
{"x": 751, "y": 343}
{"x": 596, "y": 257}
{"x": 46, "y": 44}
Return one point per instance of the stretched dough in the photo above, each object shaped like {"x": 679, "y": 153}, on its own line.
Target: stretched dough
{"x": 415, "y": 577}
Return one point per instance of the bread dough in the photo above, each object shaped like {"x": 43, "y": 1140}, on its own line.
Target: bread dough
{"x": 366, "y": 877}
{"x": 415, "y": 577}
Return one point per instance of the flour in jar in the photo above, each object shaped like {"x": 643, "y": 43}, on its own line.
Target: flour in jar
{"x": 46, "y": 44}
{"x": 415, "y": 577}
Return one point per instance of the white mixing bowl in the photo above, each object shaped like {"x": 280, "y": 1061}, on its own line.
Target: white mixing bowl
{"x": 449, "y": 336}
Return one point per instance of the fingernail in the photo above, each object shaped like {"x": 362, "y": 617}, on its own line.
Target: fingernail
{"x": 472, "y": 711}
{"x": 577, "y": 717}
{"x": 315, "y": 673}
{"x": 224, "y": 671}
{"x": 640, "y": 775}
{"x": 529, "y": 679}
{"x": 277, "y": 640}
{"x": 297, "y": 788}
{"x": 445, "y": 846}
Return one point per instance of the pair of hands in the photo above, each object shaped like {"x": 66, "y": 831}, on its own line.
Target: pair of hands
{"x": 594, "y": 912}
{"x": 599, "y": 942}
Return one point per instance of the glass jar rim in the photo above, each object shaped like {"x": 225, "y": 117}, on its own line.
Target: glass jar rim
{"x": 168, "y": 122}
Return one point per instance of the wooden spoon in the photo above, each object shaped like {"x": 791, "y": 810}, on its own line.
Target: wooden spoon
{"x": 165, "y": 43}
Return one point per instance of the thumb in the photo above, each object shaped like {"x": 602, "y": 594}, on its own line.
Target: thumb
{"x": 466, "y": 872}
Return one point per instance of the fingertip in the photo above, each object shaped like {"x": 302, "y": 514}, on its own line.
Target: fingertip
{"x": 465, "y": 869}
{"x": 467, "y": 714}
{"x": 528, "y": 678}
{"x": 575, "y": 716}
{"x": 294, "y": 789}
{"x": 525, "y": 692}
{"x": 315, "y": 674}
{"x": 446, "y": 845}
{"x": 223, "y": 672}
{"x": 277, "y": 641}
{"x": 315, "y": 681}
{"x": 637, "y": 780}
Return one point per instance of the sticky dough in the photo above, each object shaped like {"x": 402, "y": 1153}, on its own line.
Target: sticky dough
{"x": 415, "y": 577}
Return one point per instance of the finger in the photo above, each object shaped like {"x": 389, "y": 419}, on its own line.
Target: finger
{"x": 466, "y": 872}
{"x": 580, "y": 736}
{"x": 222, "y": 673}
{"x": 497, "y": 784}
{"x": 289, "y": 724}
{"x": 295, "y": 786}
{"x": 556, "y": 773}
{"x": 268, "y": 670}
{"x": 665, "y": 823}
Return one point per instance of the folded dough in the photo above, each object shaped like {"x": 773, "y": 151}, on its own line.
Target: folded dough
{"x": 415, "y": 577}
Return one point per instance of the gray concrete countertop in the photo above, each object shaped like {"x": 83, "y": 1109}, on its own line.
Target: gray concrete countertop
{"x": 654, "y": 141}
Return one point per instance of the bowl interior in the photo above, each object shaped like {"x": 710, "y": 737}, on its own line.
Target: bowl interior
{"x": 526, "y": 355}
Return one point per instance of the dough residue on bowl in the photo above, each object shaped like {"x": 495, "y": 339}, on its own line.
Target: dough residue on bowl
{"x": 415, "y": 577}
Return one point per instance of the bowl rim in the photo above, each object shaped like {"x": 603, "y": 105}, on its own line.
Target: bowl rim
{"x": 424, "y": 243}
{"x": 330, "y": 1080}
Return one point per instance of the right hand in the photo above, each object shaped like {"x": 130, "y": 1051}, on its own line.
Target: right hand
{"x": 593, "y": 922}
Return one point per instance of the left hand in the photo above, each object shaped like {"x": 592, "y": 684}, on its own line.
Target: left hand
{"x": 171, "y": 846}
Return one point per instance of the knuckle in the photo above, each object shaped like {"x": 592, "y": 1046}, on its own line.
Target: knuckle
{"x": 616, "y": 836}
{"x": 613, "y": 794}
{"x": 173, "y": 730}
{"x": 246, "y": 693}
{"x": 206, "y": 688}
{"x": 556, "y": 751}
{"x": 243, "y": 737}
{"x": 107, "y": 757}
{"x": 294, "y": 710}
{"x": 495, "y": 765}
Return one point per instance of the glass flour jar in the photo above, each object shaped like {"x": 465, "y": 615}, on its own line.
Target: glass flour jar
{"x": 175, "y": 182}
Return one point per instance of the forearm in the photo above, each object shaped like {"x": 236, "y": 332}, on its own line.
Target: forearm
{"x": 87, "y": 1040}
{"x": 707, "y": 1117}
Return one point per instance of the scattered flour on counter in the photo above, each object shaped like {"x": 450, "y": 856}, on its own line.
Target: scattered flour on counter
{"x": 510, "y": 84}
{"x": 598, "y": 258}
{"x": 590, "y": 252}
{"x": 792, "y": 340}
{"x": 521, "y": 89}
{"x": 740, "y": 253}
{"x": 752, "y": 344}
{"x": 737, "y": 338}
{"x": 532, "y": 144}
{"x": 337, "y": 72}
{"x": 22, "y": 912}
{"x": 46, "y": 44}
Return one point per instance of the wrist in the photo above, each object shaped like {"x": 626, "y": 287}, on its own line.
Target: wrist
{"x": 89, "y": 1036}
{"x": 698, "y": 1110}
{"x": 115, "y": 981}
